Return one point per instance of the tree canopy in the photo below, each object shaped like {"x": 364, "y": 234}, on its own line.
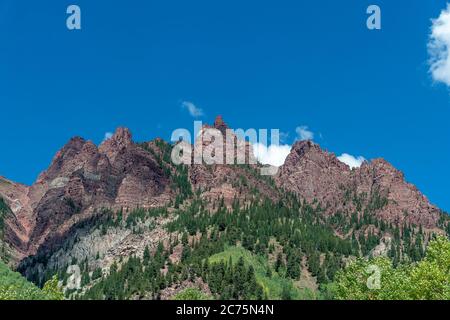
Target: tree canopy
{"x": 14, "y": 287}
{"x": 428, "y": 279}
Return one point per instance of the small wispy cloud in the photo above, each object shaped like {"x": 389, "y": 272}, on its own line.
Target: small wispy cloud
{"x": 439, "y": 47}
{"x": 351, "y": 161}
{"x": 193, "y": 110}
{"x": 274, "y": 155}
{"x": 303, "y": 133}
{"x": 108, "y": 135}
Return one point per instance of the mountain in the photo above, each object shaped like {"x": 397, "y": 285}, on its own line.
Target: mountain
{"x": 81, "y": 179}
{"x": 315, "y": 174}
{"x": 100, "y": 208}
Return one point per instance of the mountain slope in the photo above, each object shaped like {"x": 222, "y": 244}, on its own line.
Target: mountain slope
{"x": 96, "y": 207}
{"x": 81, "y": 180}
{"x": 313, "y": 173}
{"x": 15, "y": 287}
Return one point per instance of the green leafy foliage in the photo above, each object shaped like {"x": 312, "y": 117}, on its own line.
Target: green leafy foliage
{"x": 14, "y": 287}
{"x": 51, "y": 289}
{"x": 428, "y": 279}
{"x": 260, "y": 248}
{"x": 191, "y": 294}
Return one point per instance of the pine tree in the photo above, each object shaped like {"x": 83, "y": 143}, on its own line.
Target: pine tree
{"x": 279, "y": 262}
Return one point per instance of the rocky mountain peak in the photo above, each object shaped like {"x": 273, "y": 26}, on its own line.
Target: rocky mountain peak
{"x": 302, "y": 147}
{"x": 381, "y": 172}
{"x": 119, "y": 141}
{"x": 120, "y": 174}
{"x": 121, "y": 138}
{"x": 314, "y": 173}
{"x": 74, "y": 154}
{"x": 307, "y": 153}
{"x": 75, "y": 143}
{"x": 72, "y": 147}
{"x": 220, "y": 125}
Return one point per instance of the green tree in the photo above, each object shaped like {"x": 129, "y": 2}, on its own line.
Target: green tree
{"x": 427, "y": 280}
{"x": 191, "y": 294}
{"x": 52, "y": 289}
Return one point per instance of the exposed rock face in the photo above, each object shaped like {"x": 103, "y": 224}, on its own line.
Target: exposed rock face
{"x": 405, "y": 202}
{"x": 313, "y": 173}
{"x": 220, "y": 124}
{"x": 84, "y": 178}
{"x": 118, "y": 143}
{"x": 316, "y": 174}
{"x": 228, "y": 179}
{"x": 20, "y": 222}
{"x": 383, "y": 248}
{"x": 102, "y": 250}
{"x": 81, "y": 179}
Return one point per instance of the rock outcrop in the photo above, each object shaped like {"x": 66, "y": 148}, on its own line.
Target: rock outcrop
{"x": 81, "y": 180}
{"x": 120, "y": 174}
{"x": 315, "y": 174}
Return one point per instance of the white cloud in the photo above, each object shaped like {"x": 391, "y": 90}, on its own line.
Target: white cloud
{"x": 194, "y": 111}
{"x": 274, "y": 155}
{"x": 303, "y": 133}
{"x": 439, "y": 47}
{"x": 351, "y": 161}
{"x": 108, "y": 135}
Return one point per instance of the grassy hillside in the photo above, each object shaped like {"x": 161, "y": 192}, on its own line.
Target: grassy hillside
{"x": 272, "y": 283}
{"x": 15, "y": 287}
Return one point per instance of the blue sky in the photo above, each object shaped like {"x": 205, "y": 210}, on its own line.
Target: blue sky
{"x": 260, "y": 64}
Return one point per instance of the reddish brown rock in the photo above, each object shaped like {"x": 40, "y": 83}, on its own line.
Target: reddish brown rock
{"x": 81, "y": 180}
{"x": 313, "y": 173}
{"x": 84, "y": 178}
